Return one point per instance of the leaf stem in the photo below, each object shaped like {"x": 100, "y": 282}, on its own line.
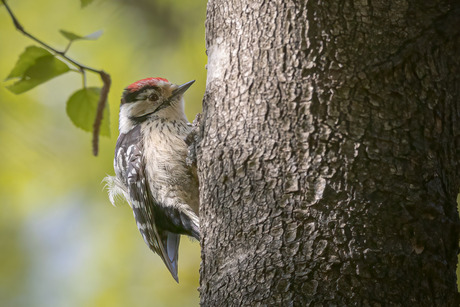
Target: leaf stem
{"x": 67, "y": 48}
{"x": 83, "y": 78}
{"x": 81, "y": 68}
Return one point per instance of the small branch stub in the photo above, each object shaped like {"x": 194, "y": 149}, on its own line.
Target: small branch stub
{"x": 100, "y": 110}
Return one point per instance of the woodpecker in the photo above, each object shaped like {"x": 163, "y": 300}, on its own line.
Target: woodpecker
{"x": 151, "y": 172}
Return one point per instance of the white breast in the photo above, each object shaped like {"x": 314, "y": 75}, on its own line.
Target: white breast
{"x": 165, "y": 158}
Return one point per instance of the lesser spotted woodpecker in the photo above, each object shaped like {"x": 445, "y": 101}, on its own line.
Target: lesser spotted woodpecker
{"x": 151, "y": 172}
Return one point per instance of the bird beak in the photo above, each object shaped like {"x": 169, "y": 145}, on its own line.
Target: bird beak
{"x": 181, "y": 89}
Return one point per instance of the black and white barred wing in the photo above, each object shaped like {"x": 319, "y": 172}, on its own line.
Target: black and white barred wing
{"x": 130, "y": 171}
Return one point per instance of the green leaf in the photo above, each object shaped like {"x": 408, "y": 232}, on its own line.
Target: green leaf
{"x": 73, "y": 37}
{"x": 26, "y": 60}
{"x": 82, "y": 108}
{"x": 35, "y": 66}
{"x": 70, "y": 36}
{"x": 85, "y": 2}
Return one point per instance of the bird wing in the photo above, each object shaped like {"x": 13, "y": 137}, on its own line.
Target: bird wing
{"x": 130, "y": 164}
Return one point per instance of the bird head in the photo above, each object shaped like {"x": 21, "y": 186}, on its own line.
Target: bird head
{"x": 152, "y": 98}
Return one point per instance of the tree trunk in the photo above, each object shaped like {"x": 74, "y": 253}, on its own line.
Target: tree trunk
{"x": 328, "y": 160}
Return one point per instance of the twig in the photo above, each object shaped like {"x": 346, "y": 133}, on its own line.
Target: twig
{"x": 82, "y": 68}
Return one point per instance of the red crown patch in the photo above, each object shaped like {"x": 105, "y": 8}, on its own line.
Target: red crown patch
{"x": 144, "y": 82}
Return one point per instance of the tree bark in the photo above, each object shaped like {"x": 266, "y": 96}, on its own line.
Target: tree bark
{"x": 328, "y": 160}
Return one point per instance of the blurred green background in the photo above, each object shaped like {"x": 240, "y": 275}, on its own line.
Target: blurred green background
{"x": 62, "y": 243}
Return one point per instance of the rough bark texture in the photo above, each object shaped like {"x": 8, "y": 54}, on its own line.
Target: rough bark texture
{"x": 329, "y": 153}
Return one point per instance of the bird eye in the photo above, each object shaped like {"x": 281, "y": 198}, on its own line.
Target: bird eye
{"x": 153, "y": 97}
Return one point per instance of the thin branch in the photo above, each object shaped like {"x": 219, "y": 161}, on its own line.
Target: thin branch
{"x": 21, "y": 29}
{"x": 81, "y": 68}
